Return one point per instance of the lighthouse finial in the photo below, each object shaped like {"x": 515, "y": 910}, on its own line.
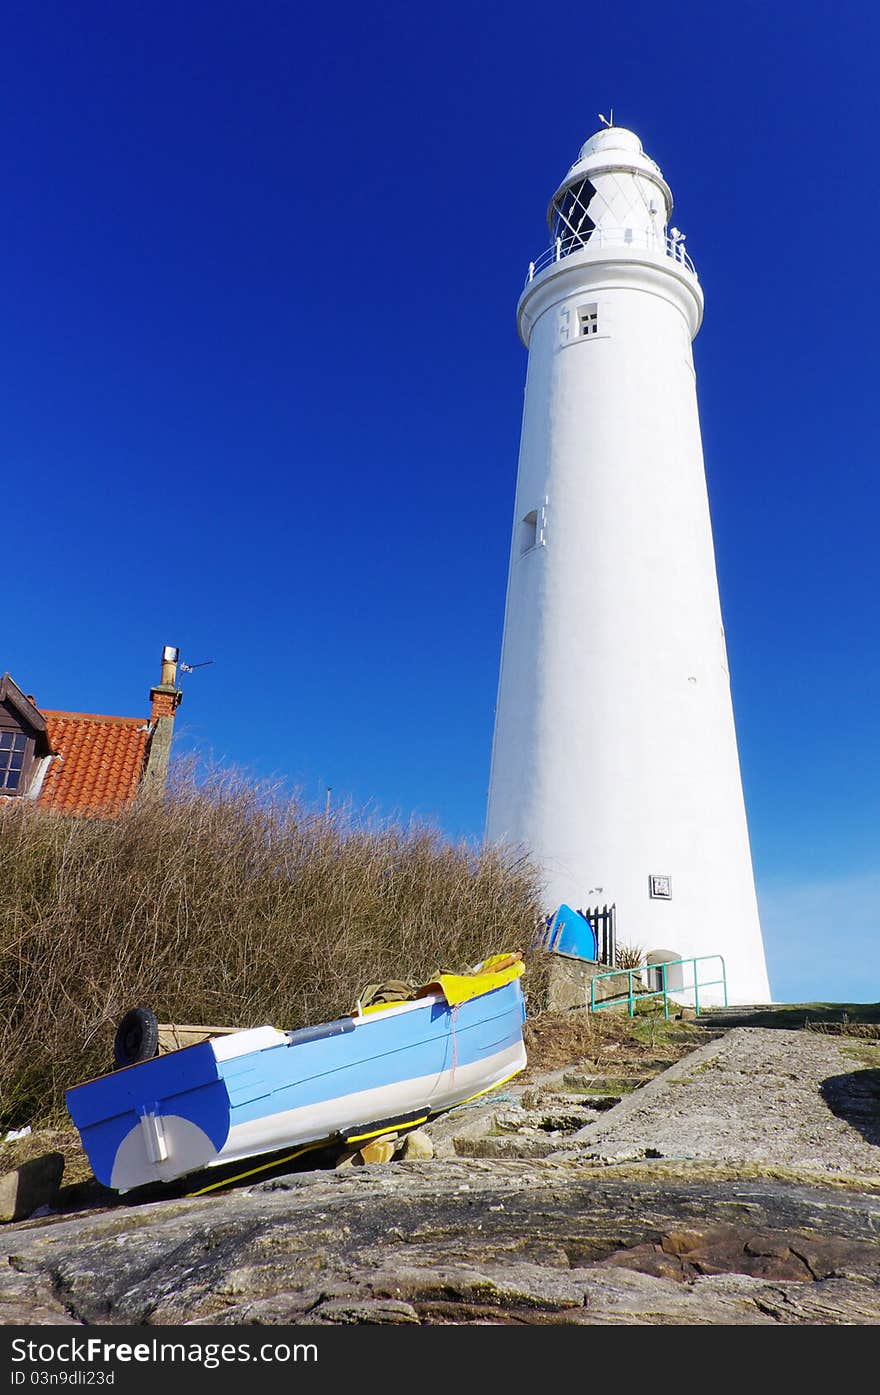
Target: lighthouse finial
{"x": 606, "y": 121}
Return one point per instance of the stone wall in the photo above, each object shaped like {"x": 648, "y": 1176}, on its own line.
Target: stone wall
{"x": 570, "y": 982}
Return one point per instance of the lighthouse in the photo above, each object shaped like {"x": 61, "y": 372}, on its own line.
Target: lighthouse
{"x": 614, "y": 757}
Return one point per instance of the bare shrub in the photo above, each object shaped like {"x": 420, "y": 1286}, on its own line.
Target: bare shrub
{"x": 226, "y": 905}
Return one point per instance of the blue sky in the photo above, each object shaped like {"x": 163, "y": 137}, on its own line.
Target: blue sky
{"x": 262, "y": 386}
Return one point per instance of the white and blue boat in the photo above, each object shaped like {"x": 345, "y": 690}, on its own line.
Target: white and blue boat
{"x": 253, "y": 1092}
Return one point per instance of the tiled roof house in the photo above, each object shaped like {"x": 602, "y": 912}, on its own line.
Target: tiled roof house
{"x": 81, "y": 763}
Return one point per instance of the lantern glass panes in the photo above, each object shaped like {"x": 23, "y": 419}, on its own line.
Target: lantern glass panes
{"x": 572, "y": 223}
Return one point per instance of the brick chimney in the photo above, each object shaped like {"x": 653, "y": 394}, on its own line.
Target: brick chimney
{"x": 165, "y": 699}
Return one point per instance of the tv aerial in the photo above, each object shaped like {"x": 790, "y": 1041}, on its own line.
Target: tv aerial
{"x": 190, "y": 668}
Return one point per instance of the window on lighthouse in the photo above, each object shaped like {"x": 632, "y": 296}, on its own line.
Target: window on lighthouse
{"x": 588, "y": 320}
{"x": 528, "y": 532}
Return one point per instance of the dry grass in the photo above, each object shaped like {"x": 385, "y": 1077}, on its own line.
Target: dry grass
{"x": 869, "y": 1031}
{"x": 606, "y": 1040}
{"x": 225, "y": 905}
{"x": 63, "y": 1140}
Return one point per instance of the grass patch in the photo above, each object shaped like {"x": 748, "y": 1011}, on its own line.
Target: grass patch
{"x": 41, "y": 1141}
{"x": 813, "y": 1016}
{"x": 866, "y": 1031}
{"x": 227, "y": 905}
{"x": 844, "y": 1013}
{"x": 702, "y": 1068}
{"x": 865, "y": 1055}
{"x": 604, "y": 1044}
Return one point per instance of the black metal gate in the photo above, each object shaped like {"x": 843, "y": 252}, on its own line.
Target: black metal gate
{"x": 604, "y": 921}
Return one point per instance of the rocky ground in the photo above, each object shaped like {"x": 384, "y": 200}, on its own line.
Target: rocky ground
{"x": 731, "y": 1178}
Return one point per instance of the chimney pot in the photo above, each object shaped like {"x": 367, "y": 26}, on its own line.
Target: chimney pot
{"x": 169, "y": 665}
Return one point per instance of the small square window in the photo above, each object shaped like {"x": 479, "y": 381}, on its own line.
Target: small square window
{"x": 588, "y": 320}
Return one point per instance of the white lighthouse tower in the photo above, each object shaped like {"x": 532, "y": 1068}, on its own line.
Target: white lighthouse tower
{"x": 614, "y": 758}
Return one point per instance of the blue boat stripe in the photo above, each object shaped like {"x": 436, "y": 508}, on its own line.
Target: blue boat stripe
{"x": 407, "y": 1046}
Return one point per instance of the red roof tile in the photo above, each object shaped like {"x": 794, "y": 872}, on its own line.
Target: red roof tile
{"x": 101, "y": 762}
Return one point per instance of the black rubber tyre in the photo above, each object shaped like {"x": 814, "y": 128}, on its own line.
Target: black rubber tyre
{"x": 137, "y": 1037}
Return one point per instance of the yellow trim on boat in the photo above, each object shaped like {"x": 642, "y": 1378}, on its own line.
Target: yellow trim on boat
{"x": 386, "y": 1128}
{"x": 264, "y": 1167}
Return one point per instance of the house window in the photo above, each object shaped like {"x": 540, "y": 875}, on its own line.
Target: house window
{"x": 588, "y": 320}
{"x": 13, "y": 749}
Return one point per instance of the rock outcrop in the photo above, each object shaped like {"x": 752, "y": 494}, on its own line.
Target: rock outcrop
{"x": 740, "y": 1186}
{"x": 465, "y": 1241}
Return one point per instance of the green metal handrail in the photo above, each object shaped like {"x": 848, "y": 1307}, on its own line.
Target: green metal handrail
{"x": 633, "y": 998}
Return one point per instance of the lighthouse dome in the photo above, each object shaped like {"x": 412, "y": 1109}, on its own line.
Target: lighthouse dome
{"x": 612, "y": 138}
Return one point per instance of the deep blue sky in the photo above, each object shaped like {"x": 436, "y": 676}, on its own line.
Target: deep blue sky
{"x": 261, "y": 386}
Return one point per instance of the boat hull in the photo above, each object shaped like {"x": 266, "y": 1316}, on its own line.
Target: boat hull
{"x": 251, "y": 1092}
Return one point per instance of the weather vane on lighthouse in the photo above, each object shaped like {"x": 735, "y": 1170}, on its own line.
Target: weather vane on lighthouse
{"x": 614, "y": 758}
